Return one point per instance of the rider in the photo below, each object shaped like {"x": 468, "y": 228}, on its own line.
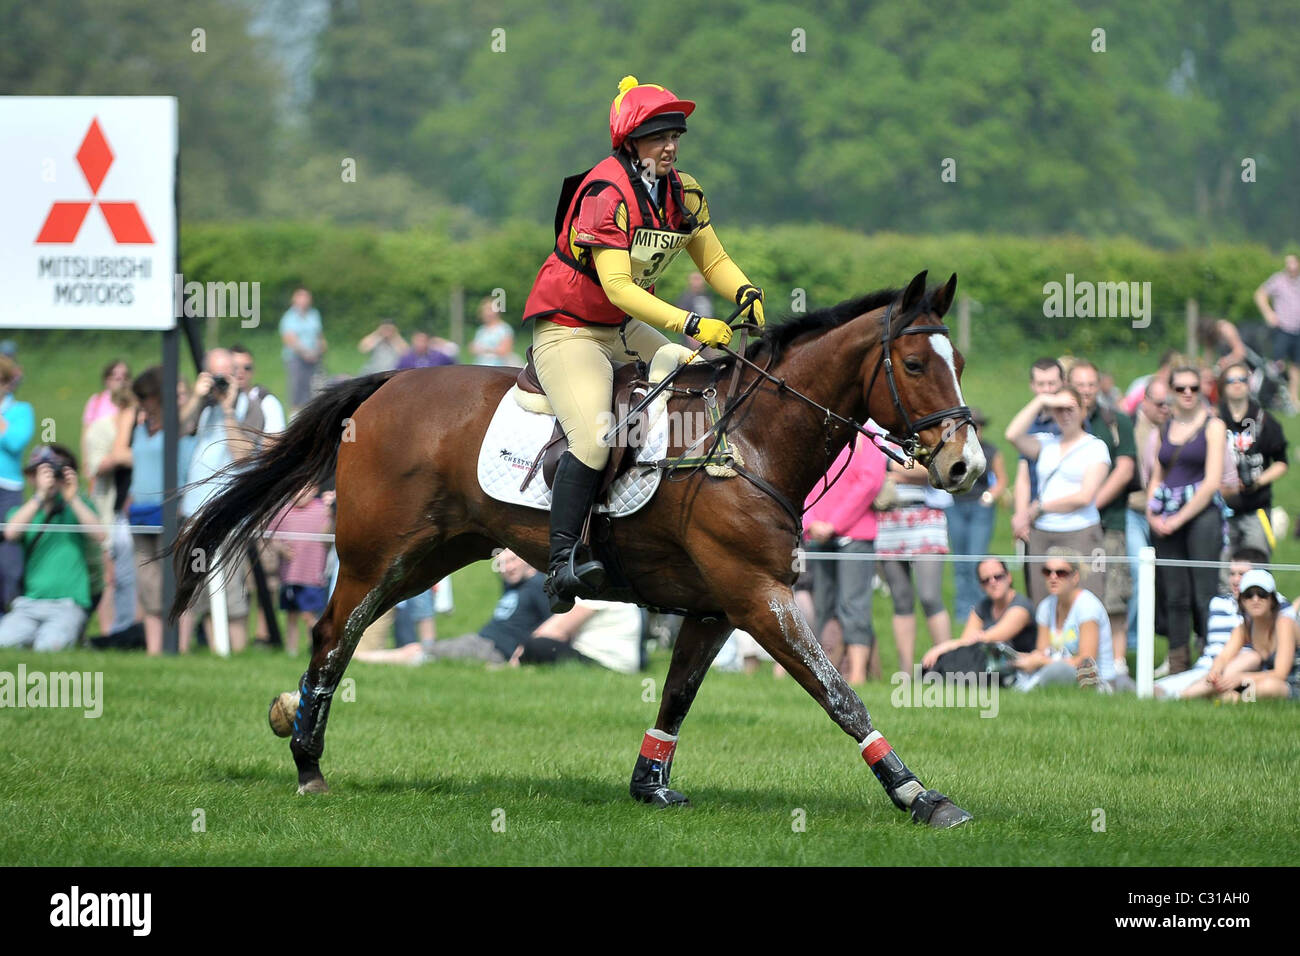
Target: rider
{"x": 618, "y": 226}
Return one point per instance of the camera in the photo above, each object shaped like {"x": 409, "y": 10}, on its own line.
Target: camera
{"x": 220, "y": 384}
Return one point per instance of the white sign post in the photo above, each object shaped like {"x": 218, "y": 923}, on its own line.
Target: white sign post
{"x": 88, "y": 230}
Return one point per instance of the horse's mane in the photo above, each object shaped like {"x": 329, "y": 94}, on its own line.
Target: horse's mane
{"x": 777, "y": 337}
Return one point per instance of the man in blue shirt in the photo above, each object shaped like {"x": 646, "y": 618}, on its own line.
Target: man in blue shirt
{"x": 304, "y": 344}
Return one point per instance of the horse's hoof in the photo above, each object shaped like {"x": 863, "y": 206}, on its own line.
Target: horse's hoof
{"x": 283, "y": 712}
{"x": 662, "y": 797}
{"x": 315, "y": 785}
{"x": 933, "y": 808}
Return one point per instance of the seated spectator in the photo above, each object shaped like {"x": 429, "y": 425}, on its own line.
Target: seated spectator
{"x": 1225, "y": 614}
{"x": 303, "y": 592}
{"x": 1001, "y": 617}
{"x": 495, "y": 340}
{"x": 523, "y": 630}
{"x": 607, "y": 633}
{"x": 1260, "y": 658}
{"x": 1074, "y": 639}
{"x": 51, "y": 612}
{"x": 520, "y": 610}
{"x": 424, "y": 353}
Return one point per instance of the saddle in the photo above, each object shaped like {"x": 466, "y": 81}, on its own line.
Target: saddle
{"x": 629, "y": 388}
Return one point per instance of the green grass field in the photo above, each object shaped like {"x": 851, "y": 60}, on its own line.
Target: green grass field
{"x": 425, "y": 760}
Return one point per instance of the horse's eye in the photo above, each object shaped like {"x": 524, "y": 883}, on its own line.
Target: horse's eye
{"x": 912, "y": 364}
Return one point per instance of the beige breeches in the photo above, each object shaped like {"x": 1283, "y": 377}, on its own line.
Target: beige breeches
{"x": 576, "y": 369}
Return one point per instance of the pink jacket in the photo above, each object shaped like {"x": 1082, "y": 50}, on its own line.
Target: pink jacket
{"x": 847, "y": 506}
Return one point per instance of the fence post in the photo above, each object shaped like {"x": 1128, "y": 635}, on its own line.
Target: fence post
{"x": 1193, "y": 319}
{"x": 457, "y": 309}
{"x": 1146, "y": 598}
{"x": 963, "y": 323}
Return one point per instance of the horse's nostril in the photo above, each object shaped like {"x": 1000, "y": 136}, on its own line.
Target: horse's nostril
{"x": 958, "y": 471}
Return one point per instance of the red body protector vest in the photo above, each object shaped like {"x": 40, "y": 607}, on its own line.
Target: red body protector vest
{"x": 567, "y": 290}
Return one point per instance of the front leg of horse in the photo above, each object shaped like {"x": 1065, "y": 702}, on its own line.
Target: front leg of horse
{"x": 697, "y": 645}
{"x": 780, "y": 628}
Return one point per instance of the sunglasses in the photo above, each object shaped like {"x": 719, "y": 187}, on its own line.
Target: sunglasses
{"x": 244, "y": 368}
{"x": 1183, "y": 389}
{"x": 1000, "y": 576}
{"x": 1254, "y": 593}
{"x": 1057, "y": 572}
{"x": 1236, "y": 380}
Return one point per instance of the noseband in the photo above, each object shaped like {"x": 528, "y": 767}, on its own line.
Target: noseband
{"x": 953, "y": 418}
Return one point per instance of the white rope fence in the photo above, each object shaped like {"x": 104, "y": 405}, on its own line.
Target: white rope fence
{"x": 1144, "y": 580}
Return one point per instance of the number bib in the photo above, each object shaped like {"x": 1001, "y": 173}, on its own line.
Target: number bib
{"x": 652, "y": 251}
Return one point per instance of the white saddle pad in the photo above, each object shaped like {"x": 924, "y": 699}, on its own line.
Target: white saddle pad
{"x": 515, "y": 436}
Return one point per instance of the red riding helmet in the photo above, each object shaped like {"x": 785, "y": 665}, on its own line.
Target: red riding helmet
{"x": 644, "y": 108}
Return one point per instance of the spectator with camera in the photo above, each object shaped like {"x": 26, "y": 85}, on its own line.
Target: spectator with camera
{"x": 1259, "y": 457}
{"x": 58, "y": 582}
{"x": 219, "y": 441}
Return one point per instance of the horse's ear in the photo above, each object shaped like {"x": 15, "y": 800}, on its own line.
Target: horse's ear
{"x": 915, "y": 289}
{"x": 943, "y": 298}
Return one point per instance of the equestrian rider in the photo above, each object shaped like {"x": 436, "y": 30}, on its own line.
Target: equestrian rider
{"x": 618, "y": 226}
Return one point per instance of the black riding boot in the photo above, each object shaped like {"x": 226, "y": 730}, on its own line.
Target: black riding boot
{"x": 569, "y": 576}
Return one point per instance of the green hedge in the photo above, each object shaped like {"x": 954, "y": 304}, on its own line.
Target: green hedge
{"x": 360, "y": 276}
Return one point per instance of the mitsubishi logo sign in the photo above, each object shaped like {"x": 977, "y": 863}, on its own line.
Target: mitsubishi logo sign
{"x": 65, "y": 218}
{"x": 88, "y": 235}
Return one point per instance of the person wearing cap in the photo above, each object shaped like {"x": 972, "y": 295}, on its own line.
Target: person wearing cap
{"x": 618, "y": 227}
{"x": 1261, "y": 657}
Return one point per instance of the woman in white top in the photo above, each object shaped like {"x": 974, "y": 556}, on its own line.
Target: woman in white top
{"x": 1070, "y": 469}
{"x": 1074, "y": 639}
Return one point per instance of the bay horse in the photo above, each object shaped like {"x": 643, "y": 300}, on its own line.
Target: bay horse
{"x": 403, "y": 448}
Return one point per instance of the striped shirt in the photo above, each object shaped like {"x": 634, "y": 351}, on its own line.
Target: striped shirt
{"x": 307, "y": 566}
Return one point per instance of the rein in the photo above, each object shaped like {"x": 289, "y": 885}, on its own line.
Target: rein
{"x": 912, "y": 450}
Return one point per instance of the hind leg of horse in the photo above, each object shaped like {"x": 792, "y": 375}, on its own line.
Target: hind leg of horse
{"x": 777, "y": 624}
{"x": 356, "y": 603}
{"x": 697, "y": 645}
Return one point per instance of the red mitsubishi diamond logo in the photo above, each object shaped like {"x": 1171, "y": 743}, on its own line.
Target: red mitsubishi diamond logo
{"x": 123, "y": 218}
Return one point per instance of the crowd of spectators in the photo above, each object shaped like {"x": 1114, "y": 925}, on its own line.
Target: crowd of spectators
{"x": 1184, "y": 459}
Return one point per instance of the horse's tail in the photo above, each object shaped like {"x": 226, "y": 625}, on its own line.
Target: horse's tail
{"x": 258, "y": 487}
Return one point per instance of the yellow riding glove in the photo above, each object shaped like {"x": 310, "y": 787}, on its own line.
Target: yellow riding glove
{"x": 712, "y": 332}
{"x": 755, "y": 310}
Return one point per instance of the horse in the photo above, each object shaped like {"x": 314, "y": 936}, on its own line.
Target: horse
{"x": 402, "y": 448}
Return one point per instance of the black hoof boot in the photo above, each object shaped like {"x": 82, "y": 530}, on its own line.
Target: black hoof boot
{"x": 650, "y": 784}
{"x": 571, "y": 572}
{"x": 936, "y": 810}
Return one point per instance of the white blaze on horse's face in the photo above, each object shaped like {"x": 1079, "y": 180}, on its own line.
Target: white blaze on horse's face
{"x": 944, "y": 472}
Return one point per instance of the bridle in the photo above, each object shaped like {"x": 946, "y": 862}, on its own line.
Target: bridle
{"x": 911, "y": 449}
{"x": 951, "y": 418}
